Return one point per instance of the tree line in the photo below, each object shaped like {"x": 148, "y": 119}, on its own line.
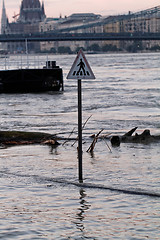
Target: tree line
{"x": 96, "y": 48}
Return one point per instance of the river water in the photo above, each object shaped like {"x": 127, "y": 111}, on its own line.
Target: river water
{"x": 39, "y": 192}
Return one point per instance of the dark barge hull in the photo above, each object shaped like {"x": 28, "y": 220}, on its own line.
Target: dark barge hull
{"x": 31, "y": 80}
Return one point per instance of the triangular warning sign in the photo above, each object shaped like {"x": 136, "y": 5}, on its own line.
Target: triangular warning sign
{"x": 80, "y": 68}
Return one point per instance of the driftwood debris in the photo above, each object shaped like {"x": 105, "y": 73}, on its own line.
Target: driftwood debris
{"x": 91, "y": 148}
{"x": 82, "y": 129}
{"x": 11, "y": 138}
{"x": 145, "y": 137}
{"x": 68, "y": 137}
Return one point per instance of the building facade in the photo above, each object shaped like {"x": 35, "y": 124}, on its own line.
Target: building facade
{"x": 143, "y": 21}
{"x": 32, "y": 18}
{"x": 75, "y": 23}
{"x": 27, "y": 21}
{"x": 147, "y": 21}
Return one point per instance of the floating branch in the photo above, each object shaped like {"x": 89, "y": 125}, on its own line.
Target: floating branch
{"x": 106, "y": 144}
{"x": 103, "y": 136}
{"x": 91, "y": 148}
{"x": 68, "y": 137}
{"x": 82, "y": 129}
{"x": 86, "y": 122}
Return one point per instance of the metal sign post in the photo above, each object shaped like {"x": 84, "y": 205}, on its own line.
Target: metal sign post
{"x": 80, "y": 131}
{"x": 80, "y": 70}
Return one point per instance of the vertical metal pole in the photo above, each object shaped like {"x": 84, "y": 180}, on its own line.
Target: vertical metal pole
{"x": 5, "y": 62}
{"x": 27, "y": 52}
{"x": 21, "y": 61}
{"x": 80, "y": 131}
{"x": 26, "y": 43}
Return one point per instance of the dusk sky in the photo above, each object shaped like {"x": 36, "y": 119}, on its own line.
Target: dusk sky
{"x": 54, "y": 8}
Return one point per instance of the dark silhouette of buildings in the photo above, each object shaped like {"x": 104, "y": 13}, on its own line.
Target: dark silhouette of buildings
{"x": 27, "y": 21}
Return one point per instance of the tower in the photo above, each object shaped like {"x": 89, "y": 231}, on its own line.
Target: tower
{"x": 31, "y": 11}
{"x": 31, "y": 14}
{"x": 4, "y": 20}
{"x": 4, "y": 26}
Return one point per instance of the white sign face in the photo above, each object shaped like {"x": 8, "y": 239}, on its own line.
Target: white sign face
{"x": 80, "y": 68}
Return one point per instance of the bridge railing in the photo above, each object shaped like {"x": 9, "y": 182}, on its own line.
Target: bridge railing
{"x": 57, "y": 36}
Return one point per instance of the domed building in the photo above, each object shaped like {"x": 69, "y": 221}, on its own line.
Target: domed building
{"x": 31, "y": 11}
{"x": 27, "y": 21}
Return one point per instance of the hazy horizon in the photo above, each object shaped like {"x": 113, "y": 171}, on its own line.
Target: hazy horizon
{"x": 55, "y": 8}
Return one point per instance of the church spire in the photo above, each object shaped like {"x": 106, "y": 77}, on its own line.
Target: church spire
{"x": 43, "y": 11}
{"x": 4, "y": 19}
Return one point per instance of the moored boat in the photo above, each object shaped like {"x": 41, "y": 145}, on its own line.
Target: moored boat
{"x": 41, "y": 79}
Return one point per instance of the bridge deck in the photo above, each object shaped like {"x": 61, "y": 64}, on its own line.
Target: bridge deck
{"x": 52, "y": 36}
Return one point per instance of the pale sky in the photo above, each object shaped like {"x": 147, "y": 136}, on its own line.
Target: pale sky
{"x": 53, "y": 8}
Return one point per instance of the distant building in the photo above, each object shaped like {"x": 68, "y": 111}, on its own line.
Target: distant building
{"x": 27, "y": 21}
{"x": 145, "y": 21}
{"x": 4, "y": 25}
{"x": 75, "y": 23}
{"x": 32, "y": 18}
{"x": 31, "y": 11}
{"x": 4, "y": 20}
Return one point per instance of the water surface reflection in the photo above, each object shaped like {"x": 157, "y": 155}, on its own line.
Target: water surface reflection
{"x": 81, "y": 215}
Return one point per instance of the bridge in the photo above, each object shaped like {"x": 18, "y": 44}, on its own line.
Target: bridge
{"x": 54, "y": 36}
